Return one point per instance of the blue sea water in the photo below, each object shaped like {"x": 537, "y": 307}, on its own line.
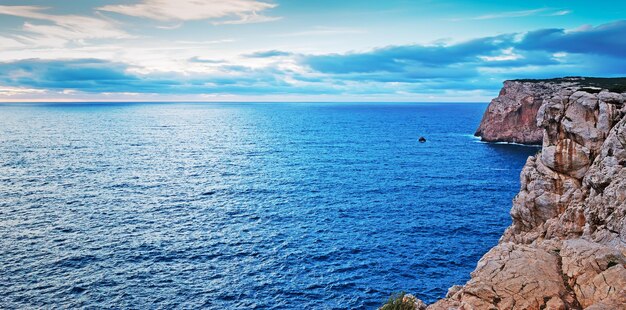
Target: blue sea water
{"x": 238, "y": 206}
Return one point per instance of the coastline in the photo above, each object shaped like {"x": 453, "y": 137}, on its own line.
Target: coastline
{"x": 569, "y": 218}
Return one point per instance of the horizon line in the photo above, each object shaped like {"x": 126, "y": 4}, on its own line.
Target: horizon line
{"x": 234, "y": 101}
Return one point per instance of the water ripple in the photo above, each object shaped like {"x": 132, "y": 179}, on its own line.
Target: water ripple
{"x": 261, "y": 206}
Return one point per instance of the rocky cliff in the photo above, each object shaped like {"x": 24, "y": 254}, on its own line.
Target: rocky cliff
{"x": 566, "y": 247}
{"x": 511, "y": 117}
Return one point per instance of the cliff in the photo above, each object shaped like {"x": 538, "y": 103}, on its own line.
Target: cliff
{"x": 566, "y": 247}
{"x": 511, "y": 117}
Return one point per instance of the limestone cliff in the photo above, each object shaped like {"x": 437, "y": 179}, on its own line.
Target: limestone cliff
{"x": 511, "y": 117}
{"x": 566, "y": 247}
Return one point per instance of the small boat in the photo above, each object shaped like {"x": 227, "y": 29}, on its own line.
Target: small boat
{"x": 422, "y": 140}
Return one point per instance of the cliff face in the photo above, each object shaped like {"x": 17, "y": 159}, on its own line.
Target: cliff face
{"x": 566, "y": 247}
{"x": 511, "y": 116}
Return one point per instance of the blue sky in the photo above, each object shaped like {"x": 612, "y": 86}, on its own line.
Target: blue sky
{"x": 296, "y": 50}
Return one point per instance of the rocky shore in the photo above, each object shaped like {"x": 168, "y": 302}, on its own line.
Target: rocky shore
{"x": 566, "y": 247}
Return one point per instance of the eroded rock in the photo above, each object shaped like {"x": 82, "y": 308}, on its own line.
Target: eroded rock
{"x": 566, "y": 247}
{"x": 511, "y": 116}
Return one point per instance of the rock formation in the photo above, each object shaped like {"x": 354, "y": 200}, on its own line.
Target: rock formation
{"x": 566, "y": 247}
{"x": 510, "y": 117}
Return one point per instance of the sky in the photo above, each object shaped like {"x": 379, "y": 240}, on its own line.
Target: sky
{"x": 297, "y": 50}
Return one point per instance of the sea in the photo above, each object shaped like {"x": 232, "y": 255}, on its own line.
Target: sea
{"x": 245, "y": 205}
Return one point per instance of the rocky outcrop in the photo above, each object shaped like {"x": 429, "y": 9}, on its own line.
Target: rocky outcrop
{"x": 566, "y": 247}
{"x": 510, "y": 117}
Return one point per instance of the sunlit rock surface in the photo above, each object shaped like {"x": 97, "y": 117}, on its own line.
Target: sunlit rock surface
{"x": 566, "y": 247}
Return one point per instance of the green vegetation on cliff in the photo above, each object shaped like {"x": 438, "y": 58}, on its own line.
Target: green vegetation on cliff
{"x": 401, "y": 301}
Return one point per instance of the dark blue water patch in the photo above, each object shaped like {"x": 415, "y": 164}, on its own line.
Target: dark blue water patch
{"x": 269, "y": 206}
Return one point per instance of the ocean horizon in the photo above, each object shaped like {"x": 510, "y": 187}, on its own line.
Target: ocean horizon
{"x": 274, "y": 154}
{"x": 246, "y": 205}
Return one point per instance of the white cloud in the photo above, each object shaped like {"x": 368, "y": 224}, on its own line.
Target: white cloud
{"x": 68, "y": 92}
{"x": 243, "y": 11}
{"x": 507, "y": 55}
{"x": 15, "y": 91}
{"x": 200, "y": 43}
{"x": 321, "y": 31}
{"x": 248, "y": 19}
{"x": 171, "y": 27}
{"x": 23, "y": 11}
{"x": 513, "y": 14}
{"x": 561, "y": 13}
{"x": 8, "y": 43}
{"x": 509, "y": 14}
{"x": 61, "y": 28}
{"x": 583, "y": 28}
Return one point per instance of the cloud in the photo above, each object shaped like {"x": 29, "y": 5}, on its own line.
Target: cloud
{"x": 252, "y": 18}
{"x": 201, "y": 43}
{"x": 105, "y": 77}
{"x": 86, "y": 74}
{"x": 197, "y": 59}
{"x": 268, "y": 54}
{"x": 16, "y": 91}
{"x": 515, "y": 14}
{"x": 510, "y": 14}
{"x": 63, "y": 28}
{"x": 9, "y": 42}
{"x": 477, "y": 65}
{"x": 321, "y": 31}
{"x": 399, "y": 58}
{"x": 226, "y": 11}
{"x": 561, "y": 13}
{"x": 171, "y": 27}
{"x": 608, "y": 39}
{"x": 535, "y": 51}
